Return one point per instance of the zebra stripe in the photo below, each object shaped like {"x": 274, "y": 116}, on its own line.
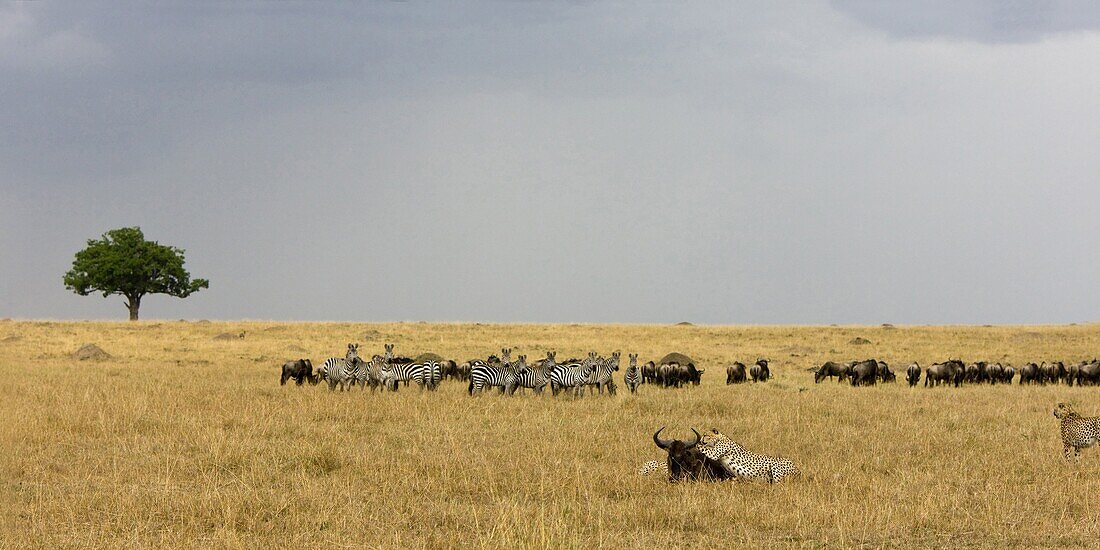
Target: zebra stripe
{"x": 633, "y": 376}
{"x": 503, "y": 375}
{"x": 535, "y": 376}
{"x": 571, "y": 374}
{"x": 604, "y": 369}
{"x": 339, "y": 370}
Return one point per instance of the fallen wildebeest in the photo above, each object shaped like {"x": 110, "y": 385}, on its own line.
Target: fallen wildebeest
{"x": 300, "y": 370}
{"x": 685, "y": 462}
{"x": 830, "y": 369}
{"x": 912, "y": 374}
{"x": 951, "y": 371}
{"x": 759, "y": 371}
{"x": 865, "y": 373}
{"x": 735, "y": 373}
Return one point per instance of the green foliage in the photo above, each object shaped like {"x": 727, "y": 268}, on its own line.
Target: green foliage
{"x": 124, "y": 263}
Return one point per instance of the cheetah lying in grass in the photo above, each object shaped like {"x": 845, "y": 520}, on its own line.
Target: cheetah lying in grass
{"x": 746, "y": 465}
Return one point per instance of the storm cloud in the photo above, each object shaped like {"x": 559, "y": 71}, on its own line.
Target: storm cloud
{"x": 838, "y": 162}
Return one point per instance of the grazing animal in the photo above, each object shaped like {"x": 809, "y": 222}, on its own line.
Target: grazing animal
{"x": 744, "y": 464}
{"x": 571, "y": 374}
{"x": 534, "y": 376}
{"x": 503, "y": 376}
{"x": 994, "y": 373}
{"x": 735, "y": 373}
{"x": 338, "y": 371}
{"x": 760, "y": 371}
{"x": 1008, "y": 374}
{"x": 1087, "y": 372}
{"x": 681, "y": 370}
{"x": 604, "y": 370}
{"x": 1029, "y": 373}
{"x": 951, "y": 371}
{"x": 1078, "y": 432}
{"x": 686, "y": 462}
{"x": 884, "y": 373}
{"x": 300, "y": 370}
{"x": 633, "y": 376}
{"x": 912, "y": 374}
{"x": 831, "y": 369}
{"x": 649, "y": 373}
{"x": 865, "y": 373}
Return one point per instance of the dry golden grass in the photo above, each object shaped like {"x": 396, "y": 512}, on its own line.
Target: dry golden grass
{"x": 181, "y": 440}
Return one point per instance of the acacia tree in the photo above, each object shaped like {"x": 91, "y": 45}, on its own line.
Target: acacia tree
{"x": 124, "y": 263}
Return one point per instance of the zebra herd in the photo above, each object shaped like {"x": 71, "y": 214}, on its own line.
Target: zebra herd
{"x": 429, "y": 370}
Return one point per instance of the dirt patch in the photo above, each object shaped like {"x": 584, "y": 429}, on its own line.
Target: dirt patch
{"x": 90, "y": 351}
{"x": 229, "y": 336}
{"x": 859, "y": 341}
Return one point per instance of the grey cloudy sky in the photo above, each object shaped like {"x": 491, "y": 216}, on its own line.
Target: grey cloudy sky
{"x": 843, "y": 162}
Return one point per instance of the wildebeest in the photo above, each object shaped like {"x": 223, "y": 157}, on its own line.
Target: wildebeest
{"x": 1088, "y": 373}
{"x": 864, "y": 373}
{"x": 760, "y": 371}
{"x": 677, "y": 369}
{"x": 830, "y": 369}
{"x": 884, "y": 373}
{"x": 735, "y": 373}
{"x": 1053, "y": 372}
{"x": 300, "y": 370}
{"x": 685, "y": 462}
{"x": 649, "y": 373}
{"x": 912, "y": 374}
{"x": 951, "y": 371}
{"x": 1030, "y": 373}
{"x": 1008, "y": 374}
{"x": 994, "y": 373}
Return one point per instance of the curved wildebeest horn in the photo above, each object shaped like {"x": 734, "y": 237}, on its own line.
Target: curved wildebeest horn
{"x": 696, "y": 442}
{"x": 662, "y": 443}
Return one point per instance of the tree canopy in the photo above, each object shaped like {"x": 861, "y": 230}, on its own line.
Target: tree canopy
{"x": 124, "y": 263}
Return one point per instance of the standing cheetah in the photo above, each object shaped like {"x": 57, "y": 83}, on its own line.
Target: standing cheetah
{"x": 1078, "y": 431}
{"x": 744, "y": 464}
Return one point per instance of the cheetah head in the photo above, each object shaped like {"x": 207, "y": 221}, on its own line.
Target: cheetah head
{"x": 1063, "y": 410}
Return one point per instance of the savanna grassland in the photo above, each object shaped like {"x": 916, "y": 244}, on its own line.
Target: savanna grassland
{"x": 183, "y": 440}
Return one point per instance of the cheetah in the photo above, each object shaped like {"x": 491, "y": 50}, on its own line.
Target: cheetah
{"x": 744, "y": 464}
{"x": 653, "y": 466}
{"x": 1078, "y": 432}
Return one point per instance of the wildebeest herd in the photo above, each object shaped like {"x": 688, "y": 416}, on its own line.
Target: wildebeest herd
{"x": 428, "y": 370}
{"x": 955, "y": 372}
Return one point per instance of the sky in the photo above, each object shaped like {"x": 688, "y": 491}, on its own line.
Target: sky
{"x": 721, "y": 163}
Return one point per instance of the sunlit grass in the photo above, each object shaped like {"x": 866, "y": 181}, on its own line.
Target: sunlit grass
{"x": 183, "y": 440}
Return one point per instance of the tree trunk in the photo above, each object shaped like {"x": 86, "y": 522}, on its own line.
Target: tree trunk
{"x": 133, "y": 303}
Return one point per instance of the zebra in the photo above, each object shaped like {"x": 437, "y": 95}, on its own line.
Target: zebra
{"x": 502, "y": 375}
{"x": 633, "y": 376}
{"x": 369, "y": 373}
{"x": 571, "y": 374}
{"x": 535, "y": 376}
{"x": 604, "y": 368}
{"x": 429, "y": 374}
{"x": 339, "y": 370}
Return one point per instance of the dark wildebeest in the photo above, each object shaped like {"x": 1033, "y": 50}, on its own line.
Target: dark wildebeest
{"x": 865, "y": 373}
{"x": 682, "y": 370}
{"x": 1089, "y": 373}
{"x": 1053, "y": 372}
{"x": 994, "y": 373}
{"x": 649, "y": 373}
{"x": 735, "y": 373}
{"x": 760, "y": 371}
{"x": 973, "y": 372}
{"x": 830, "y": 369}
{"x": 1008, "y": 374}
{"x": 912, "y": 374}
{"x": 300, "y": 370}
{"x": 951, "y": 371}
{"x": 1030, "y": 373}
{"x": 685, "y": 462}
{"x": 884, "y": 373}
